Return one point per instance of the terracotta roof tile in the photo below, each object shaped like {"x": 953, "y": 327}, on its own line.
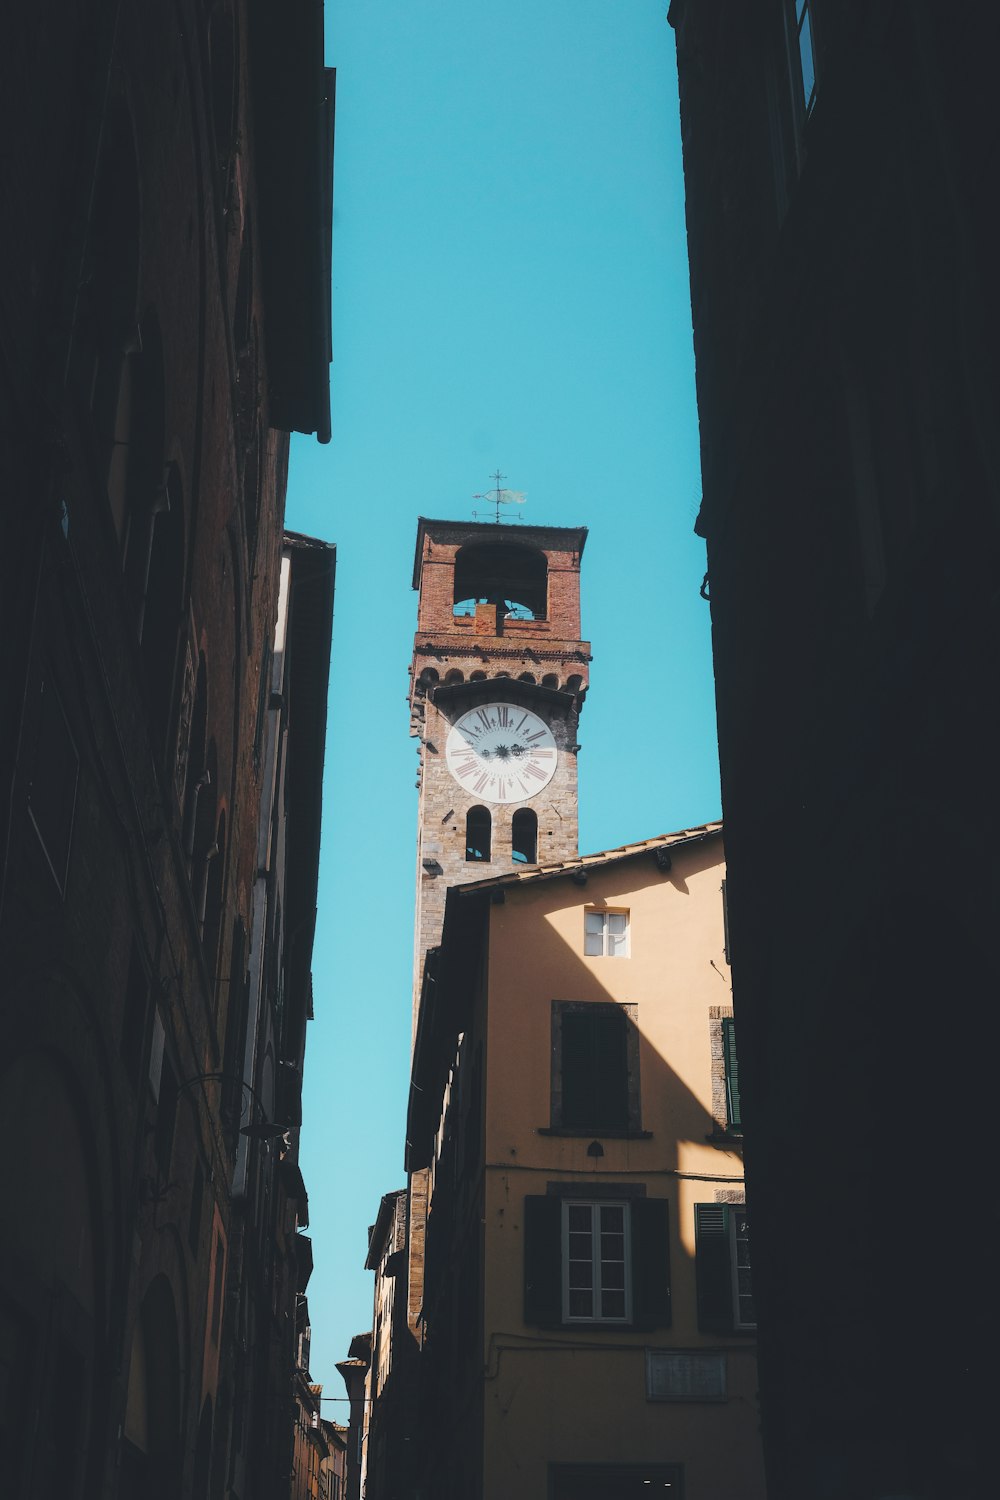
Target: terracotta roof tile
{"x": 588, "y": 861}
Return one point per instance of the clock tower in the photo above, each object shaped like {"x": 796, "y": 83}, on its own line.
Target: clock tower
{"x": 498, "y": 679}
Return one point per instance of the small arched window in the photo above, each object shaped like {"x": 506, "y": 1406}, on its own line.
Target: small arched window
{"x": 478, "y": 835}
{"x": 524, "y": 837}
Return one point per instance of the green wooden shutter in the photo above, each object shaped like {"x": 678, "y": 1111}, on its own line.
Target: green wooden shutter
{"x": 650, "y": 1263}
{"x": 713, "y": 1266}
{"x": 733, "y": 1111}
{"x": 542, "y": 1260}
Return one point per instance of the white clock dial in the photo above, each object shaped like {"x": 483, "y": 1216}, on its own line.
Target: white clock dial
{"x": 501, "y": 753}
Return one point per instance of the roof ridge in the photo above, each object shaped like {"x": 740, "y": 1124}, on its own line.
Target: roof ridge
{"x": 602, "y": 856}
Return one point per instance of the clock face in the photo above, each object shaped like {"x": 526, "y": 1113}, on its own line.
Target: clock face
{"x": 501, "y": 753}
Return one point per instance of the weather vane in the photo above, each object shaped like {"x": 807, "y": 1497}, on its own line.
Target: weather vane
{"x": 498, "y": 497}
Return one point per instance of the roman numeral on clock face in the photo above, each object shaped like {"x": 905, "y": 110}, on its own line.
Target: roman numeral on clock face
{"x": 501, "y": 752}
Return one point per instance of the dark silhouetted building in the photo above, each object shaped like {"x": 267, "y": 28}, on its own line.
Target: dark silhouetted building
{"x": 839, "y": 160}
{"x": 164, "y": 324}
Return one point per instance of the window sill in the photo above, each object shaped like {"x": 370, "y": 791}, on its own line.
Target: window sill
{"x": 725, "y": 1140}
{"x": 595, "y": 1132}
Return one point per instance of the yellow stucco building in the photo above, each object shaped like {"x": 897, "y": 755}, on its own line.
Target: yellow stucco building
{"x": 587, "y": 1318}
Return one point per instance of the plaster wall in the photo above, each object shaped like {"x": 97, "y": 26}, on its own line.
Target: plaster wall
{"x": 579, "y": 1394}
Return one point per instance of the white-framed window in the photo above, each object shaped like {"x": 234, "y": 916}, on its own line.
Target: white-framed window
{"x": 605, "y": 934}
{"x": 597, "y": 1260}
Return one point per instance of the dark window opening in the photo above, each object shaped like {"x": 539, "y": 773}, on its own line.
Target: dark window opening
{"x": 595, "y": 1069}
{"x": 478, "y": 834}
{"x": 512, "y": 577}
{"x": 524, "y": 836}
{"x": 594, "y": 1061}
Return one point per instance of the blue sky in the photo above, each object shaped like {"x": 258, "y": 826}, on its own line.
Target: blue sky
{"x": 510, "y": 289}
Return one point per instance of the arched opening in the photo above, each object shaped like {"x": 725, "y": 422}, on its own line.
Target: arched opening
{"x": 453, "y": 676}
{"x": 512, "y": 577}
{"x": 478, "y": 835}
{"x": 526, "y": 677}
{"x": 524, "y": 837}
{"x": 550, "y": 680}
{"x": 574, "y": 683}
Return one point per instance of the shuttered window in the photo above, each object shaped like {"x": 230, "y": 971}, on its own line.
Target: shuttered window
{"x": 725, "y": 1285}
{"x": 734, "y": 1115}
{"x": 595, "y": 1068}
{"x": 596, "y": 1260}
